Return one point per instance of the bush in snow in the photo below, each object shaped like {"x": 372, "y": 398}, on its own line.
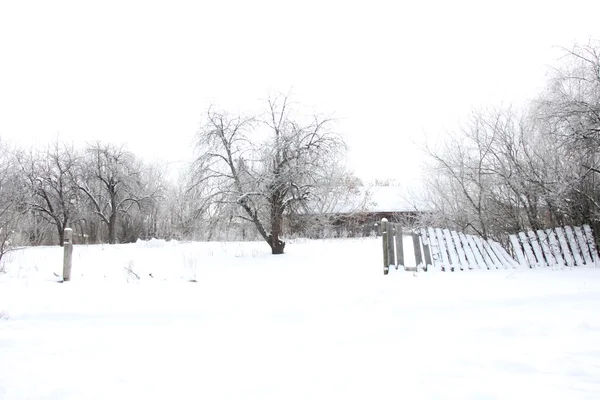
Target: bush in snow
{"x": 131, "y": 274}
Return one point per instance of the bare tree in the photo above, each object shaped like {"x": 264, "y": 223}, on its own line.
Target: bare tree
{"x": 571, "y": 103}
{"x": 458, "y": 183}
{"x": 149, "y": 219}
{"x": 188, "y": 208}
{"x": 155, "y": 208}
{"x": 50, "y": 178}
{"x": 111, "y": 179}
{"x": 528, "y": 169}
{"x": 569, "y": 109}
{"x": 499, "y": 174}
{"x": 11, "y": 200}
{"x": 264, "y": 165}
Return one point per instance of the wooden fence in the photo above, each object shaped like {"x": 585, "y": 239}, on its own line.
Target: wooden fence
{"x": 445, "y": 250}
{"x": 562, "y": 247}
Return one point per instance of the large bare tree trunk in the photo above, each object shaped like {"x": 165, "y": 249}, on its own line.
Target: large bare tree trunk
{"x": 61, "y": 235}
{"x": 277, "y": 245}
{"x": 112, "y": 228}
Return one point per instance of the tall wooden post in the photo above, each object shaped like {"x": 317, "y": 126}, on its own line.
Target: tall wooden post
{"x": 426, "y": 249}
{"x": 417, "y": 248}
{"x": 384, "y": 237}
{"x": 399, "y": 246}
{"x": 68, "y": 256}
{"x": 391, "y": 229}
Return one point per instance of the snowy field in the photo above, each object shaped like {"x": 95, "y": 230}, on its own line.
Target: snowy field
{"x": 157, "y": 320}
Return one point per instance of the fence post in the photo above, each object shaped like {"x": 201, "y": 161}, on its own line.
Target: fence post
{"x": 391, "y": 229}
{"x": 417, "y": 248}
{"x": 68, "y": 256}
{"x": 384, "y": 236}
{"x": 399, "y": 247}
{"x": 426, "y": 249}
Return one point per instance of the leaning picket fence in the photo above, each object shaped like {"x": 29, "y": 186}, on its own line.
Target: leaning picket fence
{"x": 446, "y": 250}
{"x": 561, "y": 247}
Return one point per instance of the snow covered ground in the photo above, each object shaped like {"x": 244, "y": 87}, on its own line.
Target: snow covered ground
{"x": 320, "y": 322}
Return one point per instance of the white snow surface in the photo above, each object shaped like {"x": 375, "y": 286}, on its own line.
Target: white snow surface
{"x": 320, "y": 322}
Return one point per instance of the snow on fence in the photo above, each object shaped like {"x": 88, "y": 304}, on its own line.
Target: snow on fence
{"x": 563, "y": 247}
{"x": 445, "y": 250}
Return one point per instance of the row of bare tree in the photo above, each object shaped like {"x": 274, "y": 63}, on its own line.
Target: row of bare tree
{"x": 511, "y": 169}
{"x": 248, "y": 172}
{"x": 102, "y": 191}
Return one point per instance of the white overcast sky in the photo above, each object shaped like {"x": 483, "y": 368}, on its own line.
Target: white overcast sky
{"x": 144, "y": 72}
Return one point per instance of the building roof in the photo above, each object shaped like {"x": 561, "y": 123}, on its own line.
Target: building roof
{"x": 375, "y": 199}
{"x": 389, "y": 199}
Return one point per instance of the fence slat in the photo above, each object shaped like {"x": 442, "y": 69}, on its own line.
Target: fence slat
{"x": 476, "y": 252}
{"x": 417, "y": 248}
{"x": 545, "y": 245}
{"x": 555, "y": 248}
{"x": 462, "y": 259}
{"x": 589, "y": 235}
{"x": 471, "y": 261}
{"x": 436, "y": 257}
{"x": 426, "y": 249}
{"x": 384, "y": 241}
{"x": 451, "y": 250}
{"x": 399, "y": 246}
{"x": 527, "y": 250}
{"x": 564, "y": 247}
{"x": 443, "y": 250}
{"x": 487, "y": 261}
{"x": 537, "y": 250}
{"x": 503, "y": 255}
{"x": 518, "y": 250}
{"x": 495, "y": 260}
{"x": 574, "y": 246}
{"x": 585, "y": 251}
{"x": 391, "y": 247}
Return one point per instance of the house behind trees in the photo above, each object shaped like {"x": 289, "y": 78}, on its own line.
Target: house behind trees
{"x": 357, "y": 214}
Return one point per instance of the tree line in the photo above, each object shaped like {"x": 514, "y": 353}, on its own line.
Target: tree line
{"x": 509, "y": 169}
{"x": 247, "y": 173}
{"x": 279, "y": 172}
{"x": 104, "y": 192}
